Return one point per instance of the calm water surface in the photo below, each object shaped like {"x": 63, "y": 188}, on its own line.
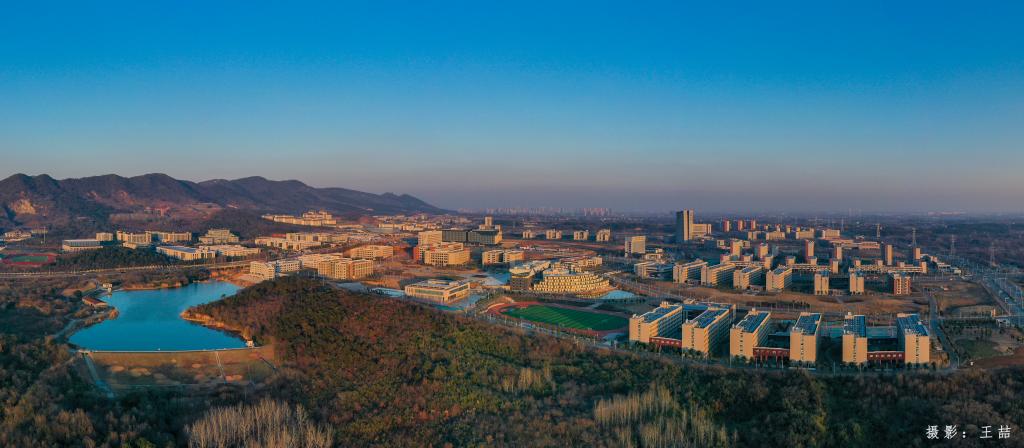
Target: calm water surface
{"x": 150, "y": 320}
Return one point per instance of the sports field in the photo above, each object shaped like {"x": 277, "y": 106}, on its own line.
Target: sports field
{"x": 569, "y": 318}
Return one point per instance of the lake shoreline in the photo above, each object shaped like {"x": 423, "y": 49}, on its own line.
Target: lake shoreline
{"x": 157, "y": 319}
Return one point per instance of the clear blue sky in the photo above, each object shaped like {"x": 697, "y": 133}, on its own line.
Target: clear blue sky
{"x": 764, "y": 106}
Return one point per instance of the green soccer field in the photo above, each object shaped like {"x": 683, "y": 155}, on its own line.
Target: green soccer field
{"x": 568, "y": 318}
{"x": 29, "y": 259}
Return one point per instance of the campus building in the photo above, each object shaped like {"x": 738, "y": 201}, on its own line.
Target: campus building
{"x": 750, "y": 332}
{"x": 687, "y": 272}
{"x": 663, "y": 321}
{"x": 501, "y": 256}
{"x": 563, "y": 280}
{"x": 79, "y": 245}
{"x": 581, "y": 235}
{"x": 900, "y": 283}
{"x": 274, "y": 269}
{"x": 603, "y": 236}
{"x": 856, "y": 282}
{"x": 684, "y": 225}
{"x": 803, "y": 338}
{"x": 186, "y": 253}
{"x": 821, "y": 287}
{"x": 778, "y": 279}
{"x": 440, "y": 291}
{"x": 553, "y": 234}
{"x": 653, "y": 269}
{"x": 218, "y": 236}
{"x": 913, "y": 338}
{"x": 747, "y": 277}
{"x": 372, "y": 252}
{"x": 169, "y": 237}
{"x": 855, "y": 339}
{"x": 529, "y": 234}
{"x": 345, "y": 268}
{"x": 231, "y": 250}
{"x": 311, "y": 218}
{"x": 444, "y": 254}
{"x": 707, "y": 331}
{"x": 717, "y": 274}
{"x": 522, "y": 276}
{"x": 636, "y": 245}
{"x": 427, "y": 237}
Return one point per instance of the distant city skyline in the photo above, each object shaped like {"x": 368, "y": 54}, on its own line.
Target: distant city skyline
{"x": 714, "y": 107}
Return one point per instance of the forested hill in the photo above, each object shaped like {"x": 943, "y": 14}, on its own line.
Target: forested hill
{"x": 43, "y": 200}
{"x": 388, "y": 373}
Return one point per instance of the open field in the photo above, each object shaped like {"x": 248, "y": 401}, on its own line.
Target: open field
{"x": 127, "y": 370}
{"x": 566, "y": 317}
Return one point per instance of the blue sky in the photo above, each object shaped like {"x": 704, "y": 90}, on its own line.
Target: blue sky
{"x": 654, "y": 106}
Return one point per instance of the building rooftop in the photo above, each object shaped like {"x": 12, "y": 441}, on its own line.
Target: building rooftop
{"x": 855, "y": 325}
{"x": 911, "y": 323}
{"x": 658, "y": 313}
{"x": 190, "y": 250}
{"x": 708, "y": 317}
{"x": 807, "y": 323}
{"x": 752, "y": 321}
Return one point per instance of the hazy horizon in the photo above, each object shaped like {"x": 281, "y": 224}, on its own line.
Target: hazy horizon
{"x": 595, "y": 105}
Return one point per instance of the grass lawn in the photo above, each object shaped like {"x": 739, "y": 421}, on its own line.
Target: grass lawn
{"x": 978, "y": 349}
{"x": 582, "y": 320}
{"x": 29, "y": 259}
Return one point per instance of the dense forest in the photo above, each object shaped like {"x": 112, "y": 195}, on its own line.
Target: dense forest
{"x": 112, "y": 257}
{"x": 391, "y": 373}
{"x": 366, "y": 371}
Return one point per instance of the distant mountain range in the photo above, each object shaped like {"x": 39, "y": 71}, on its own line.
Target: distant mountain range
{"x": 36, "y": 199}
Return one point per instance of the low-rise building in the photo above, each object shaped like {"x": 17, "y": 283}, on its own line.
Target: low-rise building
{"x": 232, "y": 250}
{"x": 428, "y": 237}
{"x": 653, "y": 269}
{"x": 553, "y": 234}
{"x": 285, "y": 243}
{"x": 501, "y": 256}
{"x": 186, "y": 253}
{"x": 439, "y": 291}
{"x": 372, "y": 252}
{"x": 445, "y": 254}
{"x": 529, "y": 234}
{"x": 603, "y": 236}
{"x": 562, "y": 280}
{"x": 580, "y": 235}
{"x": 273, "y": 269}
{"x": 169, "y": 237}
{"x": 345, "y": 269}
{"x": 218, "y": 236}
{"x": 79, "y": 245}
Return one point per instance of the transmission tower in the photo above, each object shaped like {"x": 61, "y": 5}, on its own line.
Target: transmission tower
{"x": 992, "y": 254}
{"x": 952, "y": 245}
{"x": 878, "y": 230}
{"x": 913, "y": 237}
